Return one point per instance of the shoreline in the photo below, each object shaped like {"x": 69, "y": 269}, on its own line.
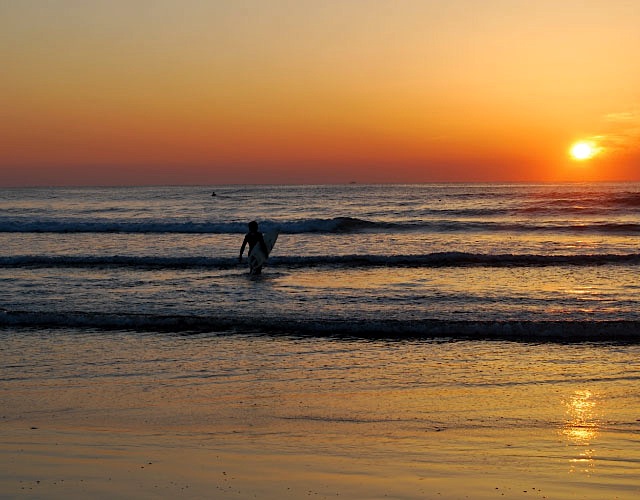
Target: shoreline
{"x": 95, "y": 414}
{"x": 106, "y": 463}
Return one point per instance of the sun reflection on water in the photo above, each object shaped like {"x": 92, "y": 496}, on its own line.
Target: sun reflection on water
{"x": 581, "y": 428}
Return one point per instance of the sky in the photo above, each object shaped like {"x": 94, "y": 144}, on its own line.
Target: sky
{"x": 142, "y": 92}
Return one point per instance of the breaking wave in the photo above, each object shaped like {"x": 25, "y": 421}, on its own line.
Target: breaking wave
{"x": 439, "y": 259}
{"x": 318, "y": 225}
{"x": 528, "y": 331}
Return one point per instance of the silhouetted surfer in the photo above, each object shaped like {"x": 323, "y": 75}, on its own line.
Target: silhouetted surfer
{"x": 253, "y": 238}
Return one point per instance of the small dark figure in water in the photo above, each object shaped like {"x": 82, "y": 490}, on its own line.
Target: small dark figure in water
{"x": 253, "y": 238}
{"x": 213, "y": 194}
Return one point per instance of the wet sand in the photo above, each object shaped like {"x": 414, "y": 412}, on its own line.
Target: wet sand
{"x": 54, "y": 463}
{"x": 107, "y": 415}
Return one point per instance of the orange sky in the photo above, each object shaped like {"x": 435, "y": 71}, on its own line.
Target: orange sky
{"x": 272, "y": 91}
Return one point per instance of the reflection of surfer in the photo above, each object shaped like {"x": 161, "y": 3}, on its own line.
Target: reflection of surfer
{"x": 253, "y": 238}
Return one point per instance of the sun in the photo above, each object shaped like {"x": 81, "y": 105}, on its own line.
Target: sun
{"x": 583, "y": 150}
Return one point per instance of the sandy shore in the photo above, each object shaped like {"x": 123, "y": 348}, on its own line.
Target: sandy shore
{"x": 148, "y": 416}
{"x": 106, "y": 463}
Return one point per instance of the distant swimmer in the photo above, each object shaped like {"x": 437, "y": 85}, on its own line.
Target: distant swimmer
{"x": 253, "y": 238}
{"x": 213, "y": 193}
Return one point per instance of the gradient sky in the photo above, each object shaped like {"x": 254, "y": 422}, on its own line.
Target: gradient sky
{"x": 311, "y": 91}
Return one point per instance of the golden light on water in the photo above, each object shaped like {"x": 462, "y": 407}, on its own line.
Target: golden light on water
{"x": 581, "y": 428}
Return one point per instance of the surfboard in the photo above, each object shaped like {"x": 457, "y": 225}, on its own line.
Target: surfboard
{"x": 257, "y": 257}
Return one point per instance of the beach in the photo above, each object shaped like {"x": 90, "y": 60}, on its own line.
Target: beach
{"x": 105, "y": 415}
{"x": 404, "y": 341}
{"x": 363, "y": 250}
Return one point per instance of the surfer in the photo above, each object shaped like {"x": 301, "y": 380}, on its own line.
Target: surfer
{"x": 253, "y": 238}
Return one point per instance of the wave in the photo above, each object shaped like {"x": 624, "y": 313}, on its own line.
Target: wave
{"x": 318, "y": 225}
{"x": 114, "y": 226}
{"x": 529, "y": 331}
{"x": 336, "y": 225}
{"x": 627, "y": 199}
{"x": 438, "y": 259}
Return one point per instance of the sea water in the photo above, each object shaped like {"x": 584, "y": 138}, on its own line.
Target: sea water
{"x": 454, "y": 260}
{"x": 434, "y": 331}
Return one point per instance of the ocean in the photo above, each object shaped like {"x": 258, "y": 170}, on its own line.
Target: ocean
{"x": 453, "y": 260}
{"x": 436, "y": 332}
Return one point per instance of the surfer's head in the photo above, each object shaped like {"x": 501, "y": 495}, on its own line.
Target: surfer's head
{"x": 253, "y": 226}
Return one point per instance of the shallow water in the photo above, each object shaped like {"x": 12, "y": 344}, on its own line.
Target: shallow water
{"x": 362, "y": 363}
{"x": 495, "y": 414}
{"x": 352, "y": 258}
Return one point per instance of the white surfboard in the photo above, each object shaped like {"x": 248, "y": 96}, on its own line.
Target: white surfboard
{"x": 257, "y": 257}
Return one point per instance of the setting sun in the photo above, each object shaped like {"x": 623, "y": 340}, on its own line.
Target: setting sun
{"x": 582, "y": 150}
{"x": 265, "y": 111}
